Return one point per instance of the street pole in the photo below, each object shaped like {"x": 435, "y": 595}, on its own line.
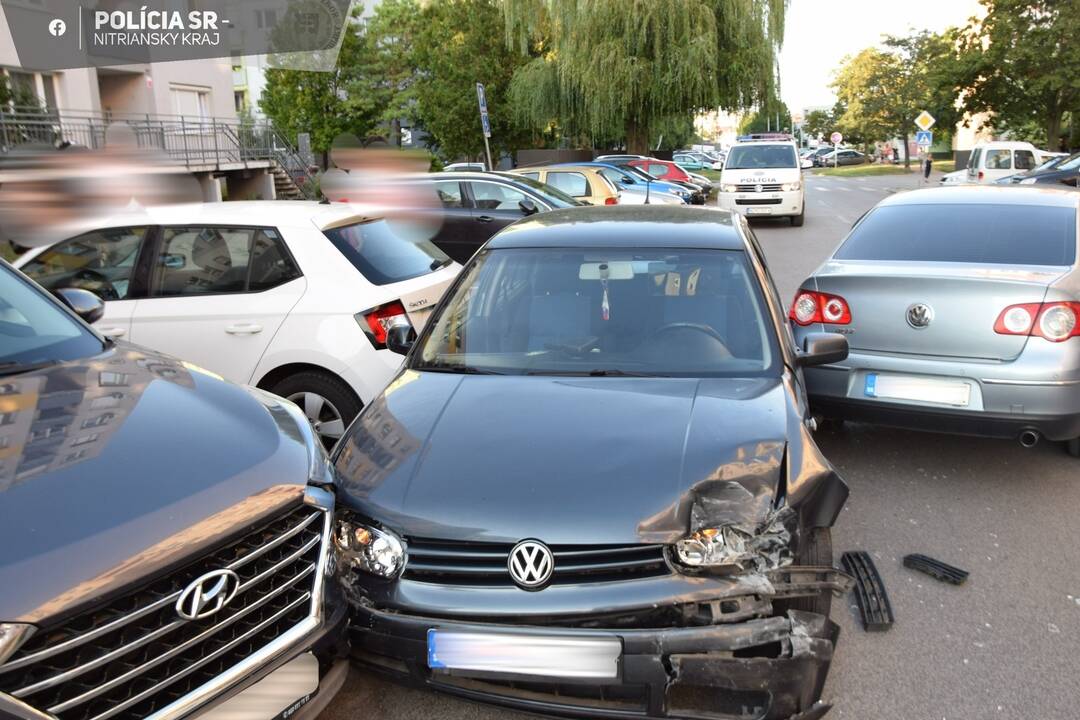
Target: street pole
{"x": 487, "y": 151}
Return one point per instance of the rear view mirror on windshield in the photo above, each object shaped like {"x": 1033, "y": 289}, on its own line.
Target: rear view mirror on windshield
{"x": 622, "y": 270}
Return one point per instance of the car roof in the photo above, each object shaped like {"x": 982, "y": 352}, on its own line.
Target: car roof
{"x": 987, "y": 195}
{"x": 241, "y": 212}
{"x": 663, "y": 226}
{"x": 1010, "y": 144}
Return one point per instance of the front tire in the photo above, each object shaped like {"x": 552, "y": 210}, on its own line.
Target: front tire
{"x": 329, "y": 404}
{"x": 797, "y": 220}
{"x": 1073, "y": 447}
{"x": 816, "y": 549}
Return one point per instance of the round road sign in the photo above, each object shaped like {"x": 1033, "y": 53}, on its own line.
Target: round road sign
{"x": 836, "y": 138}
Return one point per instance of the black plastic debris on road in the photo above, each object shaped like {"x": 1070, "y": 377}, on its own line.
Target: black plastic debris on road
{"x": 936, "y": 568}
{"x": 877, "y": 614}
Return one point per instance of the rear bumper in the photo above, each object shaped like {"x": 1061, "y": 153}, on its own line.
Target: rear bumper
{"x": 1006, "y": 398}
{"x": 765, "y": 669}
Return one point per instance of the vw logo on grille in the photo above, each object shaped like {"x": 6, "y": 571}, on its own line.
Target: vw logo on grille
{"x": 207, "y": 594}
{"x": 920, "y": 315}
{"x": 531, "y": 564}
{"x": 758, "y": 188}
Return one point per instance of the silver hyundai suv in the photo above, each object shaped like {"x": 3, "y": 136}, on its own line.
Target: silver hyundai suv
{"x": 961, "y": 306}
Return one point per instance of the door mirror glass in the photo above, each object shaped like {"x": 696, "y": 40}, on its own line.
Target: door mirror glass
{"x": 823, "y": 348}
{"x": 400, "y": 339}
{"x": 83, "y": 303}
{"x": 528, "y": 207}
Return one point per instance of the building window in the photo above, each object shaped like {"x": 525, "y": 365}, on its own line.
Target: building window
{"x": 31, "y": 91}
{"x": 240, "y": 99}
{"x": 191, "y": 102}
{"x": 265, "y": 18}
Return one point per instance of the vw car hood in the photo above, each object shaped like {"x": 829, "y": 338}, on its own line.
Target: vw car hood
{"x": 116, "y": 467}
{"x": 573, "y": 460}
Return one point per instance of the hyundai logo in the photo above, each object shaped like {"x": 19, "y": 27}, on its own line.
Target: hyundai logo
{"x": 531, "y": 564}
{"x": 920, "y": 315}
{"x": 207, "y": 594}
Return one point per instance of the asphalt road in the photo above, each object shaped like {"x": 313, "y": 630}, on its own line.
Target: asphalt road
{"x": 1004, "y": 645}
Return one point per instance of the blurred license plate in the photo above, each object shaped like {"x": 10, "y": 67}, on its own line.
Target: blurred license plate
{"x": 759, "y": 211}
{"x": 557, "y": 656}
{"x": 904, "y": 387}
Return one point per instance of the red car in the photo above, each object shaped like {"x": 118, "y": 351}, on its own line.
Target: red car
{"x": 663, "y": 169}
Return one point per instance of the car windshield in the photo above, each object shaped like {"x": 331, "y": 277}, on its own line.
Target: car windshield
{"x": 1070, "y": 163}
{"x": 748, "y": 157}
{"x": 983, "y": 234}
{"x": 553, "y": 195}
{"x": 385, "y": 253}
{"x": 561, "y": 311}
{"x": 34, "y": 331}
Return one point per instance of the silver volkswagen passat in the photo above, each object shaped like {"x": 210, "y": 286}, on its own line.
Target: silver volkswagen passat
{"x": 961, "y": 308}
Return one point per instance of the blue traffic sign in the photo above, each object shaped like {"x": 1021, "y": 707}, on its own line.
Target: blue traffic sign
{"x": 481, "y": 96}
{"x": 486, "y": 123}
{"x": 924, "y": 138}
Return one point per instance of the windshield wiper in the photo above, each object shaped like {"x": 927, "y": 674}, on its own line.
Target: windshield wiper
{"x": 592, "y": 373}
{"x": 16, "y": 368}
{"x": 456, "y": 369}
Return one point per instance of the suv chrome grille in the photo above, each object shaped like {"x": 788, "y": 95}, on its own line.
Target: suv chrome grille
{"x": 135, "y": 655}
{"x": 462, "y": 563}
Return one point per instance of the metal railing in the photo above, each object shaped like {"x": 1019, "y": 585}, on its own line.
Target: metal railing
{"x": 194, "y": 142}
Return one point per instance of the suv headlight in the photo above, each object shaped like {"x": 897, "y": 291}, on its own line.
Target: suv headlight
{"x": 367, "y": 548}
{"x": 790, "y": 187}
{"x": 729, "y": 188}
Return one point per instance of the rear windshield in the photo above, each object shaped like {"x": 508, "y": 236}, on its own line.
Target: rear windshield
{"x": 748, "y": 157}
{"x": 386, "y": 253}
{"x": 985, "y": 234}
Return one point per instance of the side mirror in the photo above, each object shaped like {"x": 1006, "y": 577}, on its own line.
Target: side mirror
{"x": 173, "y": 261}
{"x": 528, "y": 207}
{"x": 83, "y": 303}
{"x": 627, "y": 180}
{"x": 400, "y": 339}
{"x": 822, "y": 349}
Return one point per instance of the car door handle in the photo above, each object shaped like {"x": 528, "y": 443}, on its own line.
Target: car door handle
{"x": 244, "y": 329}
{"x": 485, "y": 218}
{"x": 112, "y": 332}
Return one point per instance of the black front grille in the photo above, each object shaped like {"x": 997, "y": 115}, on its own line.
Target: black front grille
{"x": 757, "y": 201}
{"x": 135, "y": 655}
{"x": 764, "y": 188}
{"x": 462, "y": 563}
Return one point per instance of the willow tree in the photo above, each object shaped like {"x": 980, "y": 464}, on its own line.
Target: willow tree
{"x": 615, "y": 68}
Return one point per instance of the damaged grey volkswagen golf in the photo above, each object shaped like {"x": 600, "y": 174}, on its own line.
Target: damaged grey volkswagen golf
{"x": 592, "y": 489}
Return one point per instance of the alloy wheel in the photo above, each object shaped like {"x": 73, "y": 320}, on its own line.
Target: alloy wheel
{"x": 325, "y": 419}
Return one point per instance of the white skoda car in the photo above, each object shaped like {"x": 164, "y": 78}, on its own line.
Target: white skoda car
{"x": 292, "y": 297}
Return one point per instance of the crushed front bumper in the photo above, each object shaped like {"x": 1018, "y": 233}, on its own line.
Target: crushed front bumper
{"x": 745, "y": 667}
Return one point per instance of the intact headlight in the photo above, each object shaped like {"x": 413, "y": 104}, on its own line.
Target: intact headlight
{"x": 375, "y": 551}
{"x": 729, "y": 188}
{"x": 790, "y": 187}
{"x": 1029, "y": 181}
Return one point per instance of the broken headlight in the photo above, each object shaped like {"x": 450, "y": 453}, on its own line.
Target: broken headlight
{"x": 766, "y": 546}
{"x": 375, "y": 551}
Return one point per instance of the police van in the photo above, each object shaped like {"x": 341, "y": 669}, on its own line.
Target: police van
{"x": 762, "y": 176}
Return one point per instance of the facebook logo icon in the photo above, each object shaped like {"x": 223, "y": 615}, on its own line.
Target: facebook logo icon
{"x": 57, "y": 27}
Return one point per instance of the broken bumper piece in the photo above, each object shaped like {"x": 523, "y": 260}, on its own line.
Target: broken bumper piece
{"x": 760, "y": 669}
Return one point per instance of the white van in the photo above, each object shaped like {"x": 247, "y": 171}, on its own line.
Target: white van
{"x": 991, "y": 161}
{"x": 762, "y": 176}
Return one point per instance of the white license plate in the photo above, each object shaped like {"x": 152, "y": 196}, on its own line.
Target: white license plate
{"x": 759, "y": 211}
{"x": 554, "y": 656}
{"x": 917, "y": 389}
{"x": 278, "y": 695}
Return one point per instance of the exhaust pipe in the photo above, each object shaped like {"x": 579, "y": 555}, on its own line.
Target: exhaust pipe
{"x": 1028, "y": 438}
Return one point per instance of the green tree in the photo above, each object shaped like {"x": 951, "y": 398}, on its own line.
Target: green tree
{"x": 818, "y": 123}
{"x": 1023, "y": 63}
{"x": 317, "y": 102}
{"x": 773, "y": 116}
{"x": 616, "y": 68}
{"x": 383, "y": 79}
{"x": 460, "y": 43}
{"x": 882, "y": 90}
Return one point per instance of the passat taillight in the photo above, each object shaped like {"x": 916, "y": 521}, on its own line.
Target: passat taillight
{"x": 611, "y": 200}
{"x": 818, "y": 307}
{"x": 378, "y": 321}
{"x": 1053, "y": 321}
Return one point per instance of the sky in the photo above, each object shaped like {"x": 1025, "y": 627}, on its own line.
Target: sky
{"x": 819, "y": 33}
